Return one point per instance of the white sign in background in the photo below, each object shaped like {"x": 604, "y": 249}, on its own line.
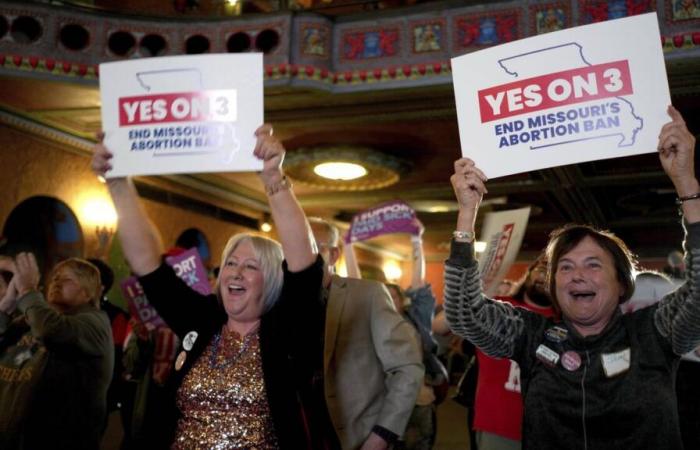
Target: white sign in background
{"x": 503, "y": 233}
{"x": 182, "y": 114}
{"x": 587, "y": 93}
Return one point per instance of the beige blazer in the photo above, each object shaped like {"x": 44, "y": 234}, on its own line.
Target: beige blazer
{"x": 372, "y": 361}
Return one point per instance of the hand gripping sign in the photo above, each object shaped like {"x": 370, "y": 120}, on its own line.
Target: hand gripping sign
{"x": 387, "y": 218}
{"x": 591, "y": 92}
{"x": 182, "y": 114}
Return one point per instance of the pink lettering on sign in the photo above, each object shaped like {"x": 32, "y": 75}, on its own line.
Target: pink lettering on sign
{"x": 215, "y": 105}
{"x": 555, "y": 89}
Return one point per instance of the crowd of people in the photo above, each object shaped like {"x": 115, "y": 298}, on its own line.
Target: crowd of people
{"x": 286, "y": 354}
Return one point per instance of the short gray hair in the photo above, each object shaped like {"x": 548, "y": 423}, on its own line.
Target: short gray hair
{"x": 269, "y": 253}
{"x": 333, "y": 233}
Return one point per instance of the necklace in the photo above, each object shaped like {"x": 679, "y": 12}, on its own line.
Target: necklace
{"x": 228, "y": 363}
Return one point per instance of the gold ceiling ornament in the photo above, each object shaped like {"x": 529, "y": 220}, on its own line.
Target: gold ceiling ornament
{"x": 382, "y": 170}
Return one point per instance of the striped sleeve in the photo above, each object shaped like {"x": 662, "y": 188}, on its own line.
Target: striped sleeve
{"x": 491, "y": 325}
{"x": 678, "y": 315}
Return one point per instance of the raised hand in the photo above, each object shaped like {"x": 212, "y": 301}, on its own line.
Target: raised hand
{"x": 271, "y": 151}
{"x": 468, "y": 184}
{"x": 101, "y": 157}
{"x": 677, "y": 153}
{"x": 27, "y": 275}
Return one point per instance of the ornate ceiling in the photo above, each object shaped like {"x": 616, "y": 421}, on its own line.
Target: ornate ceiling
{"x": 369, "y": 80}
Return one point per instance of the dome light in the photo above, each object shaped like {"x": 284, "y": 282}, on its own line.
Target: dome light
{"x": 340, "y": 170}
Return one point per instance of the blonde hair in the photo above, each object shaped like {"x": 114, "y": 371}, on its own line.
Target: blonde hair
{"x": 269, "y": 254}
{"x": 88, "y": 277}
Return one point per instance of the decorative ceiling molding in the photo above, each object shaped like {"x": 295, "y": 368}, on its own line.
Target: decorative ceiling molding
{"x": 74, "y": 143}
{"x": 410, "y": 47}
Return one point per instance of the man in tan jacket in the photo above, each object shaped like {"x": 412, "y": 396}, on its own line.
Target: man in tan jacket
{"x": 372, "y": 361}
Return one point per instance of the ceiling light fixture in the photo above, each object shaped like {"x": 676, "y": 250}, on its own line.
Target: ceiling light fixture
{"x": 370, "y": 169}
{"x": 434, "y": 206}
{"x": 265, "y": 225}
{"x": 336, "y": 170}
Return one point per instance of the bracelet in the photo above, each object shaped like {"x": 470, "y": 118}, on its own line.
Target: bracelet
{"x": 680, "y": 200}
{"x": 283, "y": 184}
{"x": 463, "y": 236}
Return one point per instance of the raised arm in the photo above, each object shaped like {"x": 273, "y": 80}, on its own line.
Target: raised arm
{"x": 468, "y": 183}
{"x": 677, "y": 155}
{"x": 351, "y": 261}
{"x": 678, "y": 314}
{"x": 140, "y": 239}
{"x": 87, "y": 332}
{"x": 490, "y": 325}
{"x": 417, "y": 258}
{"x": 292, "y": 227}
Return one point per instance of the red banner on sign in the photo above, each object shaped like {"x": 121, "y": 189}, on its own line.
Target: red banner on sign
{"x": 555, "y": 89}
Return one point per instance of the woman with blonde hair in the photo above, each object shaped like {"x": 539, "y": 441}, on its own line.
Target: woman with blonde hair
{"x": 244, "y": 375}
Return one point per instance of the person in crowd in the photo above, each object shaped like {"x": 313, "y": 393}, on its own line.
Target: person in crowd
{"x": 675, "y": 265}
{"x": 244, "y": 375}
{"x": 417, "y": 305}
{"x": 596, "y": 378}
{"x": 67, "y": 406}
{"x": 496, "y": 416}
{"x": 119, "y": 321}
{"x": 148, "y": 359}
{"x": 372, "y": 361}
{"x": 688, "y": 393}
{"x": 649, "y": 288}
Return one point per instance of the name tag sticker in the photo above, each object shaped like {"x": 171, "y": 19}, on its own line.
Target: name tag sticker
{"x": 547, "y": 355}
{"x": 616, "y": 363}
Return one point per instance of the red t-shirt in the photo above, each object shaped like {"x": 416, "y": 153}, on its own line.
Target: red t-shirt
{"x": 498, "y": 405}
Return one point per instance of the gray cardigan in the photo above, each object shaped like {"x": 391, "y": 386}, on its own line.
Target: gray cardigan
{"x": 586, "y": 406}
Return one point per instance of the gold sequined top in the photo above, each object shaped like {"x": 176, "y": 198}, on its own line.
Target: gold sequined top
{"x": 223, "y": 399}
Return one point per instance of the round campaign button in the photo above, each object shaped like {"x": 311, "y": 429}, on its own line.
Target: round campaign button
{"x": 180, "y": 361}
{"x": 189, "y": 340}
{"x": 571, "y": 360}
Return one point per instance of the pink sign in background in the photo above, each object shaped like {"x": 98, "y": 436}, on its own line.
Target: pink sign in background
{"x": 387, "y": 218}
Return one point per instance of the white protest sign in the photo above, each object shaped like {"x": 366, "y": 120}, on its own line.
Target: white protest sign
{"x": 503, "y": 233}
{"x": 182, "y": 114}
{"x": 587, "y": 93}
